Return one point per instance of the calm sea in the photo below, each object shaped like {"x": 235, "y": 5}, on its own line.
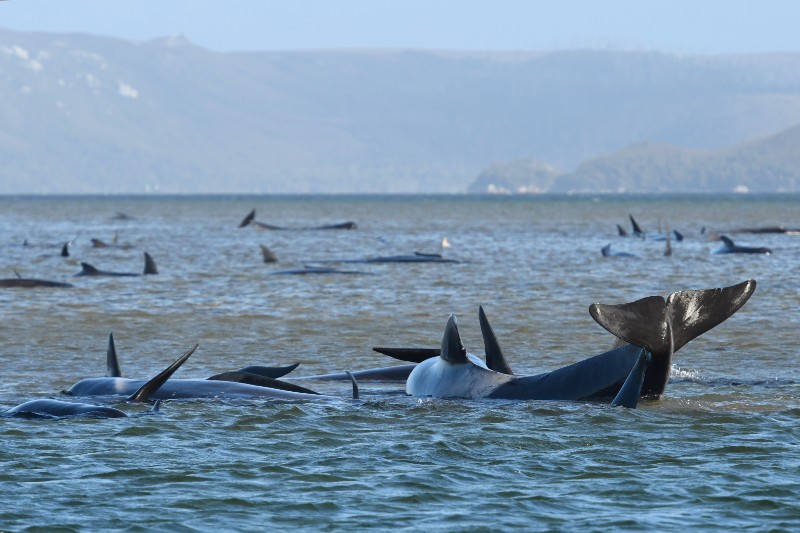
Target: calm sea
{"x": 720, "y": 451}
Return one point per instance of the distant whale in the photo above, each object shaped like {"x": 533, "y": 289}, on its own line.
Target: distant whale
{"x": 30, "y": 283}
{"x": 782, "y": 230}
{"x": 416, "y": 257}
{"x": 606, "y": 251}
{"x": 311, "y": 269}
{"x": 729, "y": 247}
{"x": 48, "y": 408}
{"x": 250, "y": 220}
{"x": 89, "y": 270}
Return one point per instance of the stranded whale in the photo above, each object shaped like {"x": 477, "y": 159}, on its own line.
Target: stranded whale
{"x": 149, "y": 268}
{"x": 728, "y": 247}
{"x": 660, "y": 326}
{"x": 48, "y": 408}
{"x": 30, "y": 283}
{"x": 249, "y": 382}
{"x": 250, "y": 220}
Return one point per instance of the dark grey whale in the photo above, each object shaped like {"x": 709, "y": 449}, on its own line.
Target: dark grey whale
{"x": 458, "y": 374}
{"x": 416, "y": 257}
{"x": 49, "y": 408}
{"x": 250, "y": 220}
{"x": 262, "y": 376}
{"x": 728, "y": 247}
{"x": 313, "y": 269}
{"x": 249, "y": 382}
{"x": 649, "y": 323}
{"x": 149, "y": 269}
{"x": 606, "y": 252}
{"x": 30, "y": 283}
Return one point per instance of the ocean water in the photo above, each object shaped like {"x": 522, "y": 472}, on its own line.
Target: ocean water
{"x": 720, "y": 450}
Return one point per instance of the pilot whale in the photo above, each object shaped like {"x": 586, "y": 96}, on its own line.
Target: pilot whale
{"x": 30, "y": 283}
{"x": 495, "y": 360}
{"x": 455, "y": 373}
{"x": 728, "y": 247}
{"x": 49, "y": 408}
{"x": 249, "y": 382}
{"x": 250, "y": 220}
{"x": 262, "y": 376}
{"x": 659, "y": 326}
{"x": 416, "y": 257}
{"x": 149, "y": 268}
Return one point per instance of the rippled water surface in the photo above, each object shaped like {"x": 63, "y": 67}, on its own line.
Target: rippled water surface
{"x": 720, "y": 450}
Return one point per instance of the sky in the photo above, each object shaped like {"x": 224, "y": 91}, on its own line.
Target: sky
{"x": 675, "y": 26}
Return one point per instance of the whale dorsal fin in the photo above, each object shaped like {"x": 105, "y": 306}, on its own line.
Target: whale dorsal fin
{"x": 412, "y": 355}
{"x": 88, "y": 270}
{"x": 149, "y": 265}
{"x": 726, "y": 241}
{"x": 267, "y": 255}
{"x": 259, "y": 381}
{"x": 19, "y": 276}
{"x": 65, "y": 250}
{"x": 495, "y": 359}
{"x": 453, "y": 350}
{"x": 606, "y": 250}
{"x": 148, "y": 389}
{"x": 273, "y": 372}
{"x": 247, "y": 220}
{"x": 112, "y": 363}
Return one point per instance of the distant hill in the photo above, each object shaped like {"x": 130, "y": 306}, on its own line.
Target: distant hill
{"x": 771, "y": 164}
{"x": 88, "y": 114}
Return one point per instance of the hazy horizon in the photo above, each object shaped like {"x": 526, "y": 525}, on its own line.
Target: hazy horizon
{"x": 712, "y": 27}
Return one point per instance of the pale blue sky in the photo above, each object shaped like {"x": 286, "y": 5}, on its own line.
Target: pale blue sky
{"x": 678, "y": 26}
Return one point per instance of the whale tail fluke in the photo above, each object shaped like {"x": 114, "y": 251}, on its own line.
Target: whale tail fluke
{"x": 149, "y": 265}
{"x": 664, "y": 326}
{"x": 695, "y": 312}
{"x": 495, "y": 360}
{"x": 151, "y": 387}
{"x": 112, "y": 363}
